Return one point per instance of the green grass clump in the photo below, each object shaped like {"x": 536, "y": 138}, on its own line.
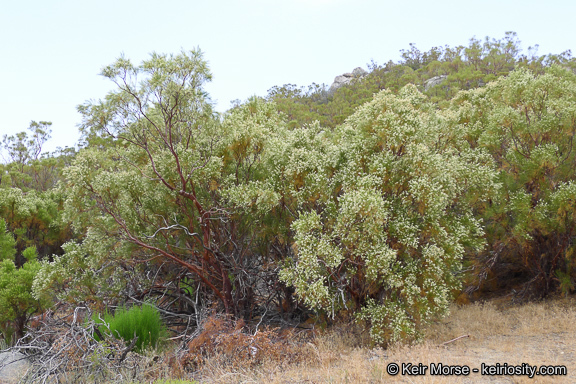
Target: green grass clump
{"x": 141, "y": 321}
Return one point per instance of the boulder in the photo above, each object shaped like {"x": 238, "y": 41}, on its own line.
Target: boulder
{"x": 346, "y": 78}
{"x": 434, "y": 81}
{"x": 13, "y": 365}
{"x": 359, "y": 72}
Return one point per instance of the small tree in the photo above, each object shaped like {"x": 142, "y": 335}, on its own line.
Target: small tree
{"x": 151, "y": 194}
{"x": 148, "y": 188}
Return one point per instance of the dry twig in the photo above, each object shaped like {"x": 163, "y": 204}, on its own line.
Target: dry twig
{"x": 450, "y": 341}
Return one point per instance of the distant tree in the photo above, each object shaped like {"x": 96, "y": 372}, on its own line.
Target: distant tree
{"x": 415, "y": 59}
{"x": 465, "y": 68}
{"x": 22, "y": 147}
{"x": 25, "y": 165}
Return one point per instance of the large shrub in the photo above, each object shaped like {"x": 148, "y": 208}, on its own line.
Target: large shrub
{"x": 385, "y": 213}
{"x": 528, "y": 124}
{"x": 145, "y": 193}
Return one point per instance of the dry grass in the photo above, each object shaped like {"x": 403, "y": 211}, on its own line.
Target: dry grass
{"x": 536, "y": 334}
{"x": 228, "y": 352}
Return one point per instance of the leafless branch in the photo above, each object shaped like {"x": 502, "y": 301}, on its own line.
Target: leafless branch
{"x": 450, "y": 341}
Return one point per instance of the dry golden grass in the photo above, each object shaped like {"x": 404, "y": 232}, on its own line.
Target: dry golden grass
{"x": 536, "y": 334}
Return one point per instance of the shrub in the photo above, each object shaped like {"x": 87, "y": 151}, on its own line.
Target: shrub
{"x": 393, "y": 191}
{"x": 17, "y": 303}
{"x": 143, "y": 322}
{"x": 527, "y": 122}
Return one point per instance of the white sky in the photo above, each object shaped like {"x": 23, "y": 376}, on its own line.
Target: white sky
{"x": 52, "y": 51}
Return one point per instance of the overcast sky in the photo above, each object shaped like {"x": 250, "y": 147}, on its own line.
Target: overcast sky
{"x": 52, "y": 51}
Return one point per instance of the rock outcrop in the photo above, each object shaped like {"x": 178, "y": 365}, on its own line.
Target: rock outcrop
{"x": 346, "y": 79}
{"x": 434, "y": 81}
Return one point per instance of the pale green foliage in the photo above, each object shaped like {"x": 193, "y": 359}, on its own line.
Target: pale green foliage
{"x": 528, "y": 124}
{"x": 85, "y": 272}
{"x": 246, "y": 135}
{"x": 394, "y": 217}
{"x": 374, "y": 216}
{"x": 25, "y": 167}
{"x": 34, "y": 218}
{"x": 158, "y": 184}
{"x": 140, "y": 188}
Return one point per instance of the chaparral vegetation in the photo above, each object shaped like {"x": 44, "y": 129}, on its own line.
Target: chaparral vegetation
{"x": 378, "y": 204}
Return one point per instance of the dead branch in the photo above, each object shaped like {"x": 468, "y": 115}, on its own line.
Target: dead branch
{"x": 450, "y": 341}
{"x": 61, "y": 347}
{"x": 128, "y": 348}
